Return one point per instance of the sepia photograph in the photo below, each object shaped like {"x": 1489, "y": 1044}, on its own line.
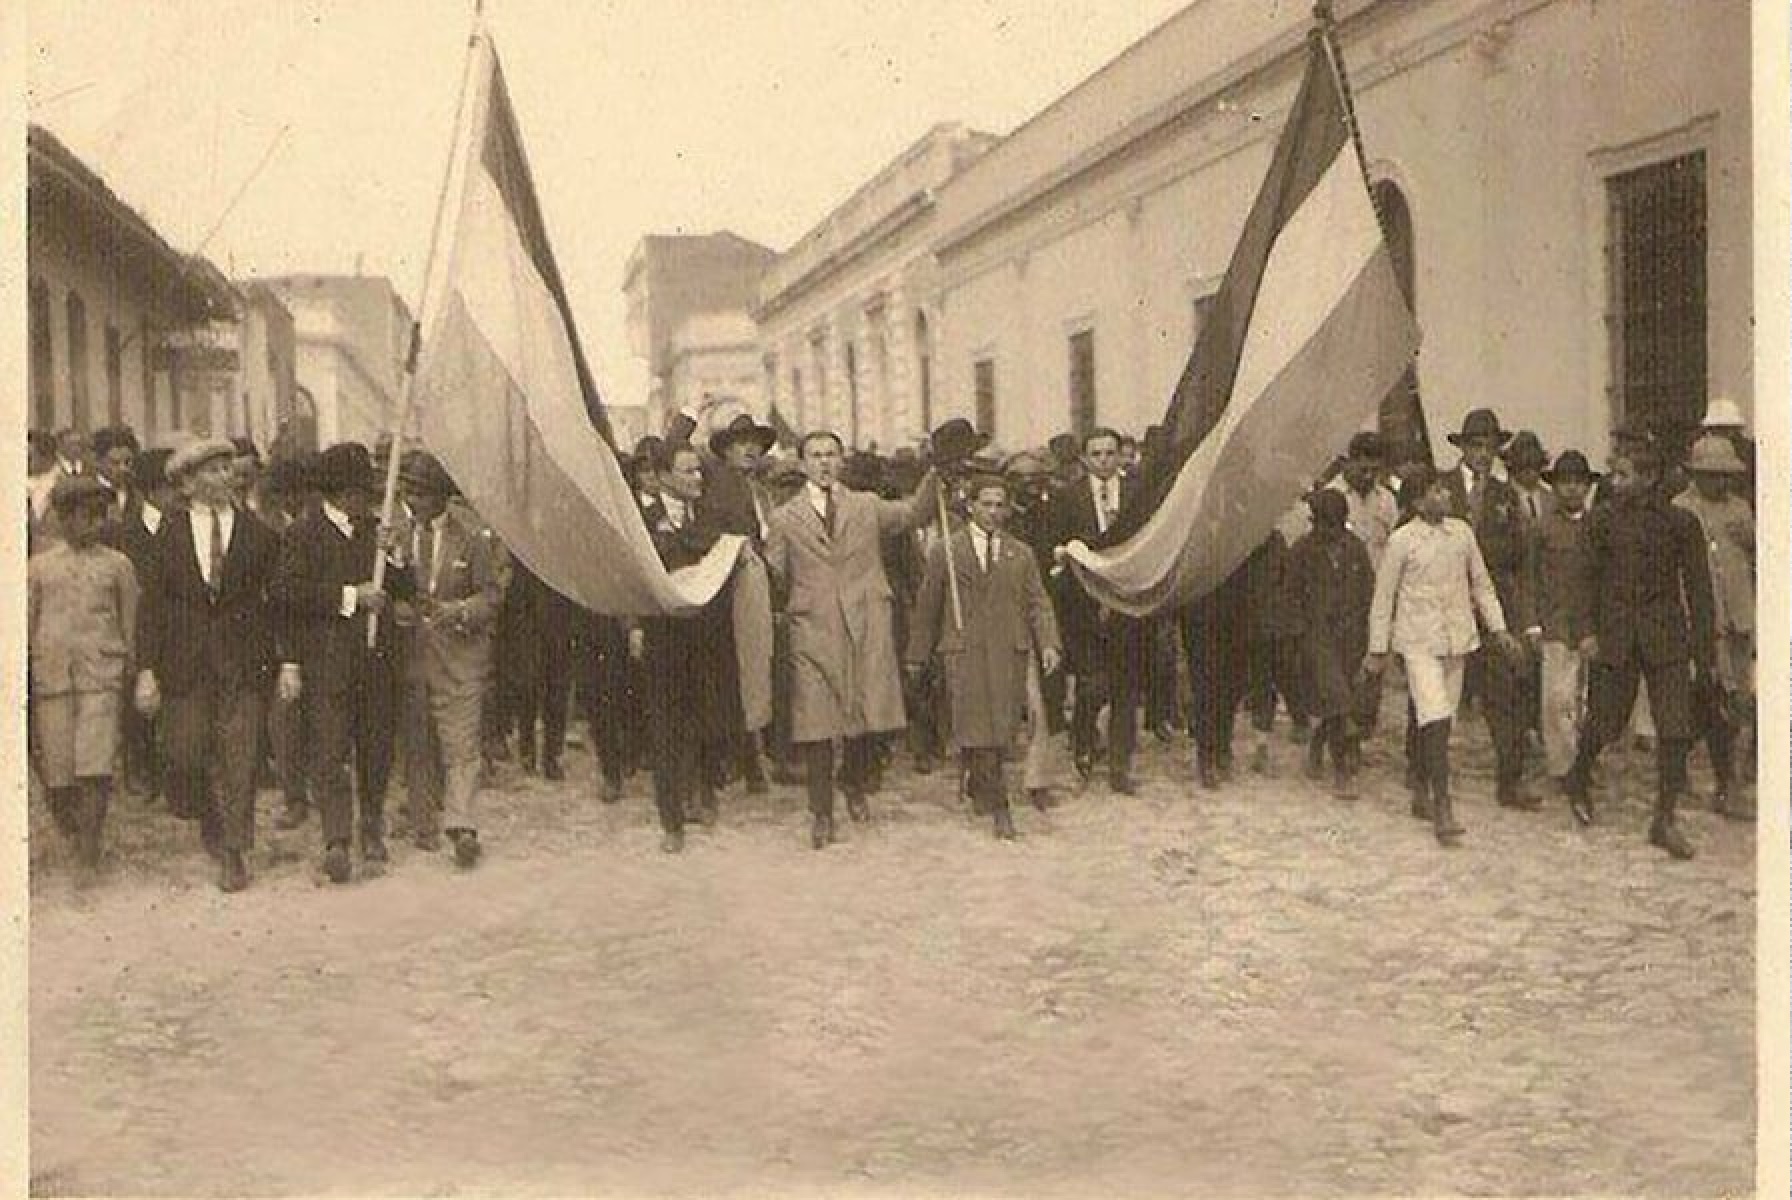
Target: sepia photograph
{"x": 964, "y": 598}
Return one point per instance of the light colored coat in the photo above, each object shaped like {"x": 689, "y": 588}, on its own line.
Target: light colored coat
{"x": 468, "y": 583}
{"x": 1431, "y": 583}
{"x": 844, "y": 677}
{"x": 1007, "y": 618}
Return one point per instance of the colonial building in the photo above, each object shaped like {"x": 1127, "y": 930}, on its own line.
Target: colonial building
{"x": 688, "y": 303}
{"x": 847, "y": 316}
{"x": 121, "y": 323}
{"x": 1565, "y": 185}
{"x": 352, "y": 336}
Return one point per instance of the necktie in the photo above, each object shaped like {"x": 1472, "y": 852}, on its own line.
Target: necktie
{"x": 827, "y": 510}
{"x": 989, "y": 553}
{"x": 1476, "y": 493}
{"x": 214, "y": 574}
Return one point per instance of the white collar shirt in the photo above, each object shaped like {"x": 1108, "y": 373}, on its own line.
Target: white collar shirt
{"x": 199, "y": 517}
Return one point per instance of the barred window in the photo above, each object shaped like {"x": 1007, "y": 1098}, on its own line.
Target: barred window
{"x": 983, "y": 378}
{"x": 1655, "y": 316}
{"x": 1082, "y": 382}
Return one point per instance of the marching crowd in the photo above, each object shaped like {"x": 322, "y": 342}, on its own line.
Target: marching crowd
{"x": 202, "y": 623}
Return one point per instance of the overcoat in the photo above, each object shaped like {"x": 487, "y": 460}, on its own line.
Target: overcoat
{"x": 1330, "y": 586}
{"x": 1007, "y": 618}
{"x": 470, "y": 576}
{"x": 844, "y": 676}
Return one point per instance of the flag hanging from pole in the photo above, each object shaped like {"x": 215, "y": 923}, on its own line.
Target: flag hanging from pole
{"x": 502, "y": 391}
{"x": 1309, "y": 330}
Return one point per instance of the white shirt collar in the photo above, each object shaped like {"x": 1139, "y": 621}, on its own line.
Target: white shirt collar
{"x": 151, "y": 516}
{"x": 817, "y": 495}
{"x": 341, "y": 520}
{"x": 678, "y": 512}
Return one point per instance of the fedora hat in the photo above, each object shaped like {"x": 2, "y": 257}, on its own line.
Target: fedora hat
{"x": 1571, "y": 464}
{"x": 1365, "y": 447}
{"x": 197, "y": 453}
{"x": 422, "y": 471}
{"x": 72, "y": 490}
{"x": 1723, "y": 413}
{"x": 741, "y": 429}
{"x": 1481, "y": 422}
{"x": 1524, "y": 450}
{"x": 955, "y": 441}
{"x": 1714, "y": 454}
{"x": 345, "y": 467}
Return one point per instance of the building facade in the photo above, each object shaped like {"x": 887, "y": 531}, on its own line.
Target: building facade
{"x": 351, "y": 337}
{"x": 847, "y": 316}
{"x": 119, "y": 320}
{"x": 689, "y": 298}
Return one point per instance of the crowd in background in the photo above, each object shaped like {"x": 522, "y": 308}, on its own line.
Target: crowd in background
{"x": 203, "y": 623}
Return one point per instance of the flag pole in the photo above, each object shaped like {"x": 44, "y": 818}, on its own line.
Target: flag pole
{"x": 946, "y": 548}
{"x": 401, "y": 415}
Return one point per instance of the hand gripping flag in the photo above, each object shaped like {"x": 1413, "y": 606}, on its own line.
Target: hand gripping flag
{"x": 502, "y": 391}
{"x": 1309, "y": 331}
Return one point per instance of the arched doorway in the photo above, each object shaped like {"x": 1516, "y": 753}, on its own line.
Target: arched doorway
{"x": 1402, "y": 417}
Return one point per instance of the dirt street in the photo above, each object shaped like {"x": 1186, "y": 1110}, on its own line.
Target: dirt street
{"x": 1262, "y": 991}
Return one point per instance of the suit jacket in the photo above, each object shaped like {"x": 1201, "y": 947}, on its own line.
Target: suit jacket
{"x": 316, "y": 563}
{"x": 1007, "y": 618}
{"x": 1564, "y": 608}
{"x": 1086, "y": 625}
{"x": 1650, "y": 583}
{"x": 192, "y": 641}
{"x": 1504, "y": 540}
{"x": 845, "y": 679}
{"x": 131, "y": 538}
{"x": 468, "y": 583}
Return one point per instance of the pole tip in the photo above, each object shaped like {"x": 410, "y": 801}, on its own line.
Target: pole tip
{"x": 1322, "y": 11}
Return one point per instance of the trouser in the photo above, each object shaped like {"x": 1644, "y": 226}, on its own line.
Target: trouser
{"x": 818, "y": 770}
{"x": 1040, "y": 767}
{"x": 211, "y": 737}
{"x": 605, "y": 695}
{"x": 348, "y": 733}
{"x": 1162, "y": 694}
{"x": 1218, "y": 674}
{"x": 1273, "y": 672}
{"x": 441, "y": 757}
{"x": 684, "y": 768}
{"x": 285, "y": 737}
{"x": 925, "y": 704}
{"x": 1611, "y": 699}
{"x": 1713, "y": 720}
{"x": 545, "y": 695}
{"x": 1338, "y": 735}
{"x": 1502, "y": 696}
{"x": 1563, "y": 706}
{"x": 983, "y": 777}
{"x": 1116, "y": 679}
{"x": 138, "y": 736}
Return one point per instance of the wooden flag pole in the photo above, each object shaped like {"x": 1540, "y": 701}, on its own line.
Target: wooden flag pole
{"x": 951, "y": 571}
{"x": 401, "y": 415}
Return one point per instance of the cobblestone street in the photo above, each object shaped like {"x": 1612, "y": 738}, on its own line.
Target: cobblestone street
{"x": 1267, "y": 990}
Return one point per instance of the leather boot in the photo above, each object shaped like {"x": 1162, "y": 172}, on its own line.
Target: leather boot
{"x": 1664, "y": 830}
{"x": 1435, "y": 738}
{"x": 1316, "y": 758}
{"x": 1004, "y": 823}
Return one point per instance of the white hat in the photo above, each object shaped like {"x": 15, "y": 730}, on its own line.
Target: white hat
{"x": 1723, "y": 413}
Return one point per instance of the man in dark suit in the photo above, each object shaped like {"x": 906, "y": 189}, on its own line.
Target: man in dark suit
{"x": 1492, "y": 508}
{"x": 134, "y": 536}
{"x": 206, "y": 643}
{"x": 1652, "y": 616}
{"x": 348, "y": 692}
{"x": 1105, "y": 650}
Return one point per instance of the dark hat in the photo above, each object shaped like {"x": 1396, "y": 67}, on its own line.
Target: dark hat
{"x": 112, "y": 437}
{"x": 741, "y": 429}
{"x": 647, "y": 450}
{"x": 1524, "y": 450}
{"x": 422, "y": 471}
{"x": 1365, "y": 447}
{"x": 955, "y": 441}
{"x": 1328, "y": 507}
{"x": 197, "y": 454}
{"x": 345, "y": 467}
{"x": 71, "y": 490}
{"x": 288, "y": 474}
{"x": 151, "y": 468}
{"x": 1570, "y": 464}
{"x": 1063, "y": 446}
{"x": 1482, "y": 422}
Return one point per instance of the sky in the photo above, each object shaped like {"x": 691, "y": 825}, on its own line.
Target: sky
{"x": 283, "y": 136}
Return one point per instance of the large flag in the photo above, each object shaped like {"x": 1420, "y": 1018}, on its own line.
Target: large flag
{"x": 502, "y": 391}
{"x": 1309, "y": 331}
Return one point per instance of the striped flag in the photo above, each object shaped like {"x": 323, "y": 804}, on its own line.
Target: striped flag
{"x": 1308, "y": 332}
{"x": 502, "y": 391}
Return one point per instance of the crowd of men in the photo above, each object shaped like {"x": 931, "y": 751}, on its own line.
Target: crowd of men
{"x": 201, "y": 623}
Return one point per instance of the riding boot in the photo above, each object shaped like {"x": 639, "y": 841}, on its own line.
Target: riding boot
{"x": 1664, "y": 830}
{"x": 1435, "y": 740}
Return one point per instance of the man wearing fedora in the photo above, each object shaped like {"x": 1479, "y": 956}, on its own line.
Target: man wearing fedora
{"x": 1492, "y": 508}
{"x": 1724, "y": 699}
{"x": 1650, "y": 585}
{"x": 1525, "y": 463}
{"x": 456, "y": 583}
{"x": 733, "y": 500}
{"x": 1106, "y": 650}
{"x": 1564, "y": 609}
{"x": 324, "y": 585}
{"x": 826, "y": 546}
{"x": 206, "y": 644}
